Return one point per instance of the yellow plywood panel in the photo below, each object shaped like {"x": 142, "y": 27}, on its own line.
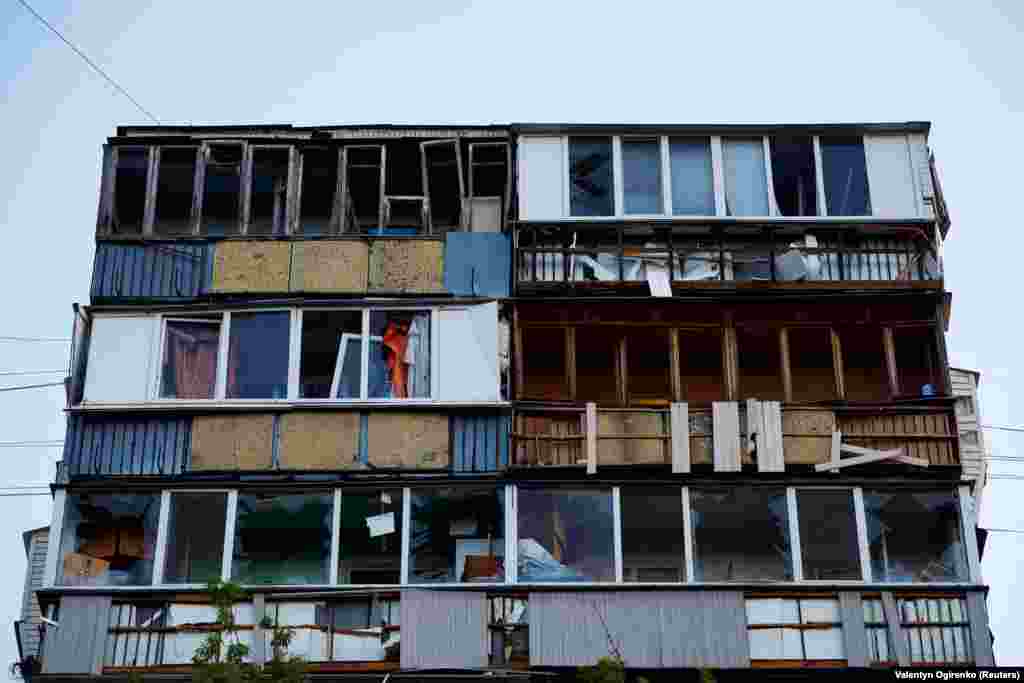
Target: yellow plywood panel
{"x": 319, "y": 441}
{"x": 408, "y": 440}
{"x": 241, "y": 266}
{"x": 330, "y": 266}
{"x": 407, "y": 266}
{"x": 807, "y": 435}
{"x": 633, "y": 450}
{"x": 232, "y": 442}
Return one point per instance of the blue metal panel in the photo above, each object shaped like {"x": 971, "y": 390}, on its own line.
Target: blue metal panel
{"x": 477, "y": 263}
{"x": 127, "y": 445}
{"x": 479, "y": 443}
{"x": 165, "y": 271}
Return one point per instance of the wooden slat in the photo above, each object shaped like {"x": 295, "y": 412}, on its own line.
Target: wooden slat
{"x": 837, "y": 365}
{"x": 770, "y": 457}
{"x": 680, "y": 419}
{"x": 890, "y": 361}
{"x": 726, "y": 436}
{"x": 787, "y": 374}
{"x": 591, "y": 443}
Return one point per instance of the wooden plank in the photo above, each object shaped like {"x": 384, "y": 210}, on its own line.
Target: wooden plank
{"x": 570, "y": 361}
{"x": 787, "y": 374}
{"x": 770, "y": 457}
{"x": 622, "y": 372}
{"x": 731, "y": 363}
{"x": 675, "y": 376}
{"x": 837, "y": 442}
{"x": 870, "y": 456}
{"x": 591, "y": 443}
{"x": 890, "y": 361}
{"x": 755, "y": 424}
{"x": 726, "y": 436}
{"x": 680, "y": 420}
{"x": 837, "y": 364}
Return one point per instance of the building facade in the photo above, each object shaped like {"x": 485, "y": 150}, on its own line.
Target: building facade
{"x": 514, "y": 398}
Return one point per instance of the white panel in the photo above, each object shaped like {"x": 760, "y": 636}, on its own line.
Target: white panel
{"x": 542, "y": 178}
{"x": 766, "y": 643}
{"x": 469, "y": 353}
{"x": 772, "y": 611}
{"x": 820, "y": 611}
{"x": 891, "y": 180}
{"x": 726, "y": 436}
{"x": 120, "y": 358}
{"x": 824, "y": 644}
{"x": 296, "y": 613}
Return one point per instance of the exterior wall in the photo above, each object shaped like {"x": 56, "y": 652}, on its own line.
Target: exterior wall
{"x": 127, "y": 444}
{"x": 974, "y": 456}
{"x": 76, "y": 646}
{"x": 444, "y": 630}
{"x": 162, "y": 271}
{"x": 30, "y": 613}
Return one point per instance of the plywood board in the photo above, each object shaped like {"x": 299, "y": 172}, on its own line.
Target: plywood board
{"x": 240, "y": 266}
{"x": 408, "y": 266}
{"x": 632, "y": 451}
{"x": 408, "y": 440}
{"x": 232, "y": 442}
{"x": 926, "y": 436}
{"x": 330, "y": 266}
{"x": 807, "y": 435}
{"x": 319, "y": 441}
{"x": 726, "y": 436}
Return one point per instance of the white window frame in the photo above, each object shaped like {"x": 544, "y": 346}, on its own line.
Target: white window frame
{"x": 160, "y": 554}
{"x": 200, "y": 184}
{"x": 819, "y": 169}
{"x": 859, "y": 529}
{"x": 291, "y": 192}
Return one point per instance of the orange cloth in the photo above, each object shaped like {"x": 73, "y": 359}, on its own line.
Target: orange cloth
{"x": 396, "y": 339}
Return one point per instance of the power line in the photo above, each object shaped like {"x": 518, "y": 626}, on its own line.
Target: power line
{"x": 35, "y": 339}
{"x": 10, "y": 373}
{"x": 20, "y": 495}
{"x": 32, "y": 386}
{"x": 1007, "y": 531}
{"x": 30, "y": 444}
{"x": 88, "y": 61}
{"x": 1003, "y": 429}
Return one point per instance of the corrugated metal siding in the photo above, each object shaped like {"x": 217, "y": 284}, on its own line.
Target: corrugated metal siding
{"x": 127, "y": 445}
{"x": 160, "y": 271}
{"x": 477, "y": 264}
{"x": 444, "y": 629}
{"x": 76, "y": 646}
{"x": 855, "y": 635}
{"x": 34, "y": 570}
{"x": 652, "y": 629}
{"x": 977, "y": 612}
{"x": 479, "y": 443}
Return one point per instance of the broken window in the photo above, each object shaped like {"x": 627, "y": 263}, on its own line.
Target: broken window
{"x": 268, "y": 199}
{"x": 810, "y": 364}
{"x": 319, "y": 184}
{"x": 591, "y": 190}
{"x": 488, "y": 185}
{"x": 652, "y": 534}
{"x": 189, "y": 366}
{"x": 936, "y": 630}
{"x": 258, "y": 355}
{"x": 760, "y": 364}
{"x": 442, "y": 182}
{"x": 109, "y": 539}
{"x": 331, "y": 361}
{"x": 828, "y": 535}
{"x": 131, "y": 180}
{"x": 879, "y": 648}
{"x": 565, "y": 535}
{"x": 355, "y": 629}
{"x": 543, "y": 363}
{"x": 865, "y": 377}
{"x": 916, "y": 361}
{"x": 693, "y": 185}
{"x": 282, "y": 539}
{"x": 597, "y": 364}
{"x": 700, "y": 366}
{"x": 406, "y": 206}
{"x": 915, "y": 537}
{"x": 807, "y": 629}
{"x": 364, "y": 186}
{"x": 641, "y": 176}
{"x": 399, "y": 354}
{"x": 793, "y": 175}
{"x": 740, "y": 534}
{"x": 222, "y": 190}
{"x": 648, "y": 366}
{"x": 509, "y": 628}
{"x": 195, "y": 537}
{"x": 746, "y": 185}
{"x": 457, "y": 535}
{"x": 370, "y": 545}
{"x": 846, "y": 177}
{"x": 175, "y": 183}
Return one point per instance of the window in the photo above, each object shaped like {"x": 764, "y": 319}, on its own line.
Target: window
{"x": 591, "y": 190}
{"x": 282, "y": 538}
{"x": 195, "y": 537}
{"x": 457, "y": 536}
{"x": 803, "y": 629}
{"x": 828, "y": 535}
{"x": 131, "y": 180}
{"x": 652, "y": 534}
{"x": 793, "y": 175}
{"x": 914, "y": 537}
{"x": 641, "y": 176}
{"x": 319, "y": 185}
{"x": 509, "y": 628}
{"x": 693, "y": 185}
{"x": 258, "y": 355}
{"x": 109, "y": 539}
{"x": 399, "y": 354}
{"x": 701, "y": 367}
{"x": 175, "y": 184}
{"x": 331, "y": 363}
{"x": 746, "y": 184}
{"x": 936, "y": 630}
{"x": 741, "y": 534}
{"x": 916, "y": 361}
{"x": 865, "y": 377}
{"x": 268, "y": 199}
{"x": 760, "y": 364}
{"x": 648, "y": 372}
{"x": 189, "y": 365}
{"x": 565, "y": 535}
{"x": 879, "y": 649}
{"x": 222, "y": 188}
{"x": 810, "y": 364}
{"x": 597, "y": 364}
{"x": 370, "y": 549}
{"x": 364, "y": 186}
{"x": 543, "y": 367}
{"x": 844, "y": 168}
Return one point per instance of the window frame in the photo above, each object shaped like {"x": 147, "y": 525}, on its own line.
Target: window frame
{"x": 292, "y": 196}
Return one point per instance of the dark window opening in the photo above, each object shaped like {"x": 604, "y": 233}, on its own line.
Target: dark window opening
{"x": 590, "y": 177}
{"x": 268, "y": 203}
{"x": 565, "y": 535}
{"x": 195, "y": 537}
{"x": 828, "y": 535}
{"x": 370, "y": 546}
{"x": 741, "y": 534}
{"x": 916, "y": 361}
{"x": 648, "y": 360}
{"x": 489, "y": 169}
{"x": 283, "y": 539}
{"x": 331, "y": 354}
{"x": 509, "y": 625}
{"x": 793, "y": 175}
{"x": 175, "y": 188}
{"x": 404, "y": 172}
{"x": 130, "y": 186}
{"x": 457, "y": 536}
{"x": 363, "y": 184}
{"x": 222, "y": 190}
{"x": 597, "y": 364}
{"x": 760, "y": 364}
{"x": 641, "y": 176}
{"x": 444, "y": 183}
{"x": 319, "y": 183}
{"x": 865, "y": 374}
{"x": 258, "y": 355}
{"x": 652, "y": 534}
{"x": 543, "y": 356}
{"x": 845, "y": 171}
{"x": 109, "y": 539}
{"x": 810, "y": 364}
{"x": 701, "y": 368}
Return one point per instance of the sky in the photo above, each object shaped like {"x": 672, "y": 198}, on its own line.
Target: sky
{"x": 955, "y": 64}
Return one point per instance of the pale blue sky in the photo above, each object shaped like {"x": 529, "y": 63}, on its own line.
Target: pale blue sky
{"x": 956, "y": 64}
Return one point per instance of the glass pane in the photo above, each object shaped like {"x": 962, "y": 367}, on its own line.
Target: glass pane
{"x": 810, "y": 363}
{"x": 282, "y": 539}
{"x": 647, "y": 367}
{"x": 175, "y": 181}
{"x": 457, "y": 536}
{"x": 828, "y": 535}
{"x": 693, "y": 185}
{"x": 258, "y": 355}
{"x": 130, "y": 181}
{"x": 371, "y": 537}
{"x": 399, "y": 354}
{"x": 590, "y": 177}
{"x": 195, "y": 537}
{"x": 652, "y": 534}
{"x": 544, "y": 364}
{"x": 740, "y": 535}
{"x": 222, "y": 189}
{"x": 189, "y": 367}
{"x": 824, "y": 644}
{"x": 915, "y": 537}
{"x": 269, "y": 193}
{"x": 331, "y": 354}
{"x": 746, "y": 184}
{"x": 109, "y": 539}
{"x": 793, "y": 175}
{"x": 319, "y": 184}
{"x": 700, "y": 364}
{"x": 566, "y": 535}
{"x": 846, "y": 176}
{"x": 641, "y": 176}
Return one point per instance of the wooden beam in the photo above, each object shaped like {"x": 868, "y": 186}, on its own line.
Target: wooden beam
{"x": 942, "y": 376}
{"x": 675, "y": 370}
{"x": 622, "y": 373}
{"x": 730, "y": 363}
{"x": 787, "y": 375}
{"x": 591, "y": 442}
{"x": 679, "y": 414}
{"x": 726, "y": 436}
{"x": 890, "y": 361}
{"x": 869, "y": 456}
{"x": 837, "y": 364}
{"x": 570, "y": 362}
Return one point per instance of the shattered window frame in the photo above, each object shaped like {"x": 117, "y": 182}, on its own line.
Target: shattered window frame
{"x": 225, "y": 227}
{"x": 112, "y": 220}
{"x": 380, "y": 550}
{"x": 554, "y": 500}
{"x": 168, "y": 538}
{"x": 249, "y": 191}
{"x": 191, "y": 225}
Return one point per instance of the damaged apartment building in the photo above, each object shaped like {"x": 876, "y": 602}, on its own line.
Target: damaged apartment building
{"x": 510, "y": 399}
